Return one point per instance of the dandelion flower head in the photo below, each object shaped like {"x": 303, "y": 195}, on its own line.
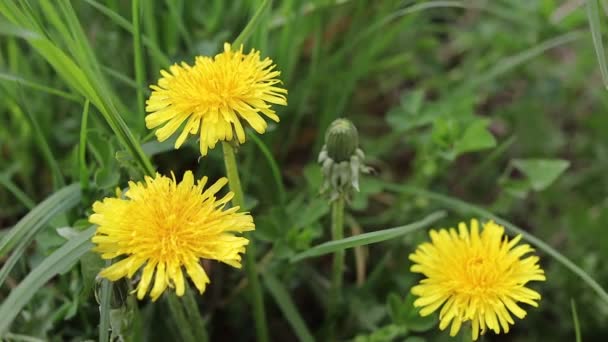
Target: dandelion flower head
{"x": 214, "y": 96}
{"x": 475, "y": 276}
{"x": 166, "y": 227}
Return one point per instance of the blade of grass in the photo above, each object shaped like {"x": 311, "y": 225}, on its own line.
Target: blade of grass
{"x": 11, "y": 30}
{"x": 10, "y": 263}
{"x": 259, "y": 37}
{"x": 60, "y": 201}
{"x": 150, "y": 28}
{"x": 38, "y": 86}
{"x": 577, "y": 327}
{"x": 368, "y": 238}
{"x": 155, "y": 51}
{"x": 419, "y": 7}
{"x": 251, "y": 25}
{"x": 138, "y": 60}
{"x": 119, "y": 76}
{"x": 467, "y": 208}
{"x": 22, "y": 245}
{"x": 82, "y": 148}
{"x": 511, "y": 62}
{"x": 43, "y": 144}
{"x": 86, "y": 80}
{"x": 14, "y": 189}
{"x": 593, "y": 15}
{"x": 274, "y": 166}
{"x": 288, "y": 308}
{"x": 57, "y": 262}
{"x": 175, "y": 12}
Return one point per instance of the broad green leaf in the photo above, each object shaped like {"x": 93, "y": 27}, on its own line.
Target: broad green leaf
{"x": 36, "y": 219}
{"x": 541, "y": 172}
{"x": 394, "y": 305}
{"x": 413, "y": 320}
{"x": 368, "y": 238}
{"x": 517, "y": 188}
{"x": 287, "y": 306}
{"x": 414, "y": 339}
{"x": 107, "y": 177}
{"x": 409, "y": 113}
{"x": 476, "y": 137}
{"x": 403, "y": 313}
{"x": 389, "y": 332}
{"x": 61, "y": 259}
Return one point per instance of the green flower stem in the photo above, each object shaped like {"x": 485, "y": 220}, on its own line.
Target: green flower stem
{"x": 194, "y": 315}
{"x": 257, "y": 296}
{"x": 466, "y": 333}
{"x": 337, "y": 233}
{"x": 104, "y": 309}
{"x": 178, "y": 315}
{"x": 138, "y": 60}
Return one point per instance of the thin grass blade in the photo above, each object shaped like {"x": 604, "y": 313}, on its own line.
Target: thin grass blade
{"x": 368, "y": 238}
{"x": 251, "y": 25}
{"x": 274, "y": 166}
{"x": 287, "y": 306}
{"x": 593, "y": 15}
{"x": 577, "y": 326}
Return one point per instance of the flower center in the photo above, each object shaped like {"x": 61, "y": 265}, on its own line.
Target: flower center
{"x": 170, "y": 230}
{"x": 479, "y": 275}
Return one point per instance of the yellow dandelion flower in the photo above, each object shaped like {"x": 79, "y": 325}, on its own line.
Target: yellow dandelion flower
{"x": 477, "y": 277}
{"x": 164, "y": 226}
{"x": 213, "y": 96}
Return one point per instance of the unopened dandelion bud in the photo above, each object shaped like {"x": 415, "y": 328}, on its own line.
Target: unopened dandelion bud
{"x": 342, "y": 140}
{"x": 341, "y": 160}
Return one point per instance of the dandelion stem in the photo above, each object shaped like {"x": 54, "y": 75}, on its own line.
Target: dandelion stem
{"x": 337, "y": 233}
{"x": 138, "y": 60}
{"x": 194, "y": 316}
{"x": 178, "y": 314}
{"x": 466, "y": 333}
{"x": 257, "y": 297}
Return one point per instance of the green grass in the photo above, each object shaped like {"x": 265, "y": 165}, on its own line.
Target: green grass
{"x": 487, "y": 109}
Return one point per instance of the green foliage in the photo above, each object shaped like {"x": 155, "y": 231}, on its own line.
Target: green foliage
{"x": 488, "y": 109}
{"x": 540, "y": 173}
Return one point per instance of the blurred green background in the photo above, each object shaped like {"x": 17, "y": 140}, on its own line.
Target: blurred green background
{"x": 498, "y": 103}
